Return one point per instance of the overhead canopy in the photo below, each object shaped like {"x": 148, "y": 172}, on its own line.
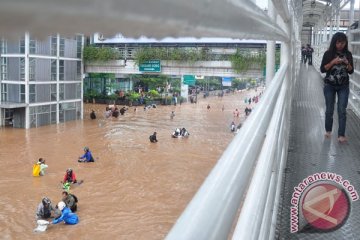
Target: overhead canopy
{"x": 133, "y": 18}
{"x": 315, "y": 11}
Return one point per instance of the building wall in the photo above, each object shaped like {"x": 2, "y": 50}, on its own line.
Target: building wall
{"x": 42, "y": 69}
{"x": 13, "y": 93}
{"x": 44, "y": 74}
{"x": 13, "y": 68}
{"x": 19, "y": 118}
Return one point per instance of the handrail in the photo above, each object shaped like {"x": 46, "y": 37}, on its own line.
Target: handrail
{"x": 354, "y": 97}
{"x": 211, "y": 212}
{"x": 261, "y": 193}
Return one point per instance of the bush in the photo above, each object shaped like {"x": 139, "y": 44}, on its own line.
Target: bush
{"x": 153, "y": 94}
{"x": 91, "y": 93}
{"x": 133, "y": 96}
{"x": 102, "y": 54}
{"x": 176, "y": 90}
{"x": 167, "y": 100}
{"x": 112, "y": 96}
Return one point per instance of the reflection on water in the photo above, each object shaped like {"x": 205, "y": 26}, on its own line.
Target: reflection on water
{"x": 135, "y": 189}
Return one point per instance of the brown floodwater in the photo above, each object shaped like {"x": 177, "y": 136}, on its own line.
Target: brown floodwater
{"x": 135, "y": 189}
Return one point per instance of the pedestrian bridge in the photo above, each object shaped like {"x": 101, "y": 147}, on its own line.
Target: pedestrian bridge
{"x": 279, "y": 178}
{"x": 202, "y": 68}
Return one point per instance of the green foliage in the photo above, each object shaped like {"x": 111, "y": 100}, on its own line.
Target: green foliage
{"x": 113, "y": 96}
{"x": 208, "y": 83}
{"x": 238, "y": 83}
{"x": 242, "y": 60}
{"x": 167, "y": 100}
{"x": 277, "y": 57}
{"x": 176, "y": 54}
{"x": 102, "y": 75}
{"x": 176, "y": 90}
{"x": 102, "y": 54}
{"x": 91, "y": 93}
{"x": 175, "y": 83}
{"x": 133, "y": 96}
{"x": 153, "y": 94}
{"x": 151, "y": 81}
{"x": 252, "y": 82}
{"x": 200, "y": 82}
{"x": 215, "y": 83}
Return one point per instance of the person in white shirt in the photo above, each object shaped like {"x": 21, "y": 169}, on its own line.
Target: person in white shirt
{"x": 43, "y": 166}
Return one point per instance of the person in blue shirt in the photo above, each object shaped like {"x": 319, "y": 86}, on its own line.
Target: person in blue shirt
{"x": 66, "y": 215}
{"x": 87, "y": 157}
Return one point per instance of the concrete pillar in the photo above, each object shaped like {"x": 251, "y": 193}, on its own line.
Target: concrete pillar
{"x": 270, "y": 49}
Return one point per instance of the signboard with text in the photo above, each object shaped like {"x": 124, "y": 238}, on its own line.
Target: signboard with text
{"x": 189, "y": 80}
{"x": 150, "y": 66}
{"x": 226, "y": 81}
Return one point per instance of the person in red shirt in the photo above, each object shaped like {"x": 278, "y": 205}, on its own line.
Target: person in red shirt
{"x": 70, "y": 176}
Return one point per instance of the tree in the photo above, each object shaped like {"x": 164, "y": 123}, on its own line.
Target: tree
{"x": 151, "y": 81}
{"x": 238, "y": 83}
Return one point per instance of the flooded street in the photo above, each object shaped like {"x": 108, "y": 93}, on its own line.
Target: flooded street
{"x": 135, "y": 189}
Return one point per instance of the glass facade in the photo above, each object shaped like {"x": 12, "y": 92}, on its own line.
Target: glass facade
{"x": 48, "y": 78}
{"x": 3, "y": 68}
{"x": 53, "y": 44}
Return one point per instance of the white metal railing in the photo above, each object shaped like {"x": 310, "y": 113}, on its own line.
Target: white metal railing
{"x": 256, "y": 156}
{"x": 354, "y": 45}
{"x": 211, "y": 212}
{"x": 257, "y": 210}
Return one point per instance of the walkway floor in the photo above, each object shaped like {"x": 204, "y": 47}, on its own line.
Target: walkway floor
{"x": 310, "y": 153}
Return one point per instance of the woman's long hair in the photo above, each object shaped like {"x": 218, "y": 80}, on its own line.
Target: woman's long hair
{"x": 339, "y": 36}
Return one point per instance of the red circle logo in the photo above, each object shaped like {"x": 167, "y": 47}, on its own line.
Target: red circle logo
{"x": 325, "y": 206}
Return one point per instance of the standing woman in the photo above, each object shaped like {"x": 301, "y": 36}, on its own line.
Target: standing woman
{"x": 337, "y": 63}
